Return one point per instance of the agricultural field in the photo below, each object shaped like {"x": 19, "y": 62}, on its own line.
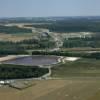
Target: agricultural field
{"x": 15, "y": 32}
{"x": 71, "y": 89}
{"x": 67, "y": 80}
{"x": 96, "y": 96}
{"x": 81, "y": 68}
{"x": 16, "y": 37}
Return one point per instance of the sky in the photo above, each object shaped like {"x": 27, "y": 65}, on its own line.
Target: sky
{"x": 45, "y": 8}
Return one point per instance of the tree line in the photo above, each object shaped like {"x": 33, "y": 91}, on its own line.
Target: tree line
{"x": 93, "y": 42}
{"x": 95, "y": 55}
{"x": 13, "y": 29}
{"x": 74, "y": 25}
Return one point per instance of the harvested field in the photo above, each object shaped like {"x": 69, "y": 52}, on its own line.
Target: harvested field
{"x": 71, "y": 89}
{"x": 81, "y": 49}
{"x": 15, "y": 37}
{"x": 96, "y": 96}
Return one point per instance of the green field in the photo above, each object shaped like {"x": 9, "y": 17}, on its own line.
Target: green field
{"x": 80, "y": 68}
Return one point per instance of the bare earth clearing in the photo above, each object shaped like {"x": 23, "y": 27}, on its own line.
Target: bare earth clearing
{"x": 9, "y": 57}
{"x": 71, "y": 89}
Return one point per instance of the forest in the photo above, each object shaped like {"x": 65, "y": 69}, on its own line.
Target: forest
{"x": 20, "y": 71}
{"x": 13, "y": 29}
{"x": 71, "y": 25}
{"x": 69, "y": 54}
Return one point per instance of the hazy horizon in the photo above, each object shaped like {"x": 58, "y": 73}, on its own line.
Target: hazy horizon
{"x": 49, "y": 8}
